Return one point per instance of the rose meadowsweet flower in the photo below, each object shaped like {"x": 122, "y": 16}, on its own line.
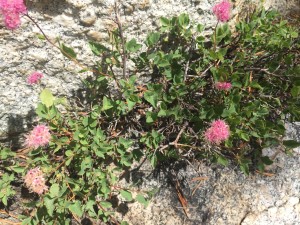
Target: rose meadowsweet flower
{"x": 223, "y": 86}
{"x": 39, "y": 136}
{"x": 218, "y": 132}
{"x": 222, "y": 11}
{"x": 35, "y": 181}
{"x": 34, "y": 78}
{"x": 11, "y": 10}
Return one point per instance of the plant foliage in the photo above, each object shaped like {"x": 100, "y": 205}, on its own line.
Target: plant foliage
{"x": 161, "y": 108}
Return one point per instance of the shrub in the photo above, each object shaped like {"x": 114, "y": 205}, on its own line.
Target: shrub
{"x": 186, "y": 96}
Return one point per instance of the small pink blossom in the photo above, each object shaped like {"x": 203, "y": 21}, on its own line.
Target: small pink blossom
{"x": 39, "y": 136}
{"x": 11, "y": 10}
{"x": 222, "y": 11}
{"x": 223, "y": 86}
{"x": 34, "y": 78}
{"x": 35, "y": 181}
{"x": 218, "y": 132}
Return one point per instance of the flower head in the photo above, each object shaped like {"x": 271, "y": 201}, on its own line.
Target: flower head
{"x": 35, "y": 181}
{"x": 222, "y": 11}
{"x": 34, "y": 78}
{"x": 223, "y": 86}
{"x": 218, "y": 132}
{"x": 39, "y": 136}
{"x": 11, "y": 10}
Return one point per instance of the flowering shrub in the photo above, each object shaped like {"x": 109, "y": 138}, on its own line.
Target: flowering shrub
{"x": 218, "y": 132}
{"x": 223, "y": 86}
{"x": 34, "y": 78}
{"x": 38, "y": 137}
{"x": 35, "y": 181}
{"x": 181, "y": 110}
{"x": 11, "y": 10}
{"x": 222, "y": 11}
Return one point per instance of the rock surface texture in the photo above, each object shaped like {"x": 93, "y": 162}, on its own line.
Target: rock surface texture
{"x": 224, "y": 195}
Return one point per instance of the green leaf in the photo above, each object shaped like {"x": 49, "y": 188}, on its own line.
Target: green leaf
{"x": 67, "y": 51}
{"x": 255, "y": 84}
{"x": 133, "y": 46}
{"x": 105, "y": 204}
{"x": 295, "y": 91}
{"x": 6, "y": 153}
{"x": 54, "y": 190}
{"x": 151, "y": 97}
{"x": 49, "y": 203}
{"x": 76, "y": 208}
{"x": 222, "y": 160}
{"x": 41, "y": 37}
{"x": 163, "y": 63}
{"x": 266, "y": 160}
{"x": 126, "y": 194}
{"x": 151, "y": 117}
{"x": 294, "y": 34}
{"x": 141, "y": 199}
{"x": 291, "y": 144}
{"x": 18, "y": 169}
{"x": 46, "y": 97}
{"x": 163, "y": 110}
{"x": 152, "y": 39}
{"x": 200, "y": 28}
{"x": 164, "y": 21}
{"x": 244, "y": 166}
{"x": 107, "y": 104}
{"x": 26, "y": 221}
{"x": 97, "y": 48}
{"x": 124, "y": 223}
{"x": 184, "y": 20}
{"x": 153, "y": 160}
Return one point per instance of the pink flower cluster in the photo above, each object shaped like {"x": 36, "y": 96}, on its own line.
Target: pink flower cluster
{"x": 35, "y": 181}
{"x": 11, "y": 10}
{"x": 39, "y": 136}
{"x": 34, "y": 78}
{"x": 222, "y": 11}
{"x": 218, "y": 132}
{"x": 223, "y": 86}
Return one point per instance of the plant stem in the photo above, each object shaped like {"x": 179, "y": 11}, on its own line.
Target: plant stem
{"x": 120, "y": 30}
{"x": 215, "y": 37}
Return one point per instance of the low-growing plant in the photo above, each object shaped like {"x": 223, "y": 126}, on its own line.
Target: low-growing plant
{"x": 184, "y": 96}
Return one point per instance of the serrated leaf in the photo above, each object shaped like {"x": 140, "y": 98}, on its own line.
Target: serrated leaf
{"x": 54, "y": 190}
{"x": 47, "y": 98}
{"x": 76, "y": 208}
{"x": 107, "y": 104}
{"x": 133, "y": 46}
{"x": 151, "y": 97}
{"x": 18, "y": 169}
{"x": 152, "y": 38}
{"x": 126, "y": 194}
{"x": 49, "y": 203}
